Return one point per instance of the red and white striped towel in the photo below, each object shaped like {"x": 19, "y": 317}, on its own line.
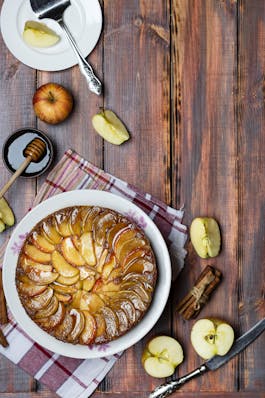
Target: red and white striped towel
{"x": 72, "y": 378}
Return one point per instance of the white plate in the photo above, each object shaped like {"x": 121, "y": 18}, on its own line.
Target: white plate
{"x": 83, "y": 18}
{"x": 87, "y": 197}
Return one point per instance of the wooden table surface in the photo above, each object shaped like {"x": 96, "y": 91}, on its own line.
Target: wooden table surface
{"x": 188, "y": 79}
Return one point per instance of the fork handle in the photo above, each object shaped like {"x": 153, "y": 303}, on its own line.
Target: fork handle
{"x": 93, "y": 82}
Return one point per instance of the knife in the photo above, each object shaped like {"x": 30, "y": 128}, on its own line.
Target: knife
{"x": 216, "y": 362}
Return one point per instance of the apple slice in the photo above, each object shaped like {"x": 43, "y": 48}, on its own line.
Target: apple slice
{"x": 27, "y": 288}
{"x": 62, "y": 266}
{"x": 39, "y": 35}
{"x": 138, "y": 288}
{"x": 136, "y": 253}
{"x": 26, "y": 263}
{"x": 102, "y": 260}
{"x": 108, "y": 267}
{"x": 42, "y": 243}
{"x": 87, "y": 248}
{"x": 112, "y": 323}
{"x": 36, "y": 254}
{"x": 88, "y": 283}
{"x": 50, "y": 233}
{"x": 211, "y": 337}
{"x": 161, "y": 356}
{"x": 138, "y": 303}
{"x": 205, "y": 237}
{"x": 62, "y": 224}
{"x": 51, "y": 308}
{"x": 63, "y": 330}
{"x": 113, "y": 232}
{"x": 86, "y": 271}
{"x": 64, "y": 298}
{"x": 78, "y": 326}
{"x": 7, "y": 215}
{"x": 89, "y": 332}
{"x": 50, "y": 322}
{"x": 91, "y": 215}
{"x": 94, "y": 302}
{"x": 75, "y": 224}
{"x": 70, "y": 253}
{"x": 100, "y": 336}
{"x": 110, "y": 127}
{"x": 127, "y": 306}
{"x": 68, "y": 281}
{"x": 40, "y": 301}
{"x": 140, "y": 266}
{"x": 101, "y": 224}
{"x": 42, "y": 277}
{"x": 122, "y": 318}
{"x": 63, "y": 289}
{"x": 124, "y": 236}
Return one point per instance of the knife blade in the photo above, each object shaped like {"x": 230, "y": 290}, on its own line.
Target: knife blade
{"x": 214, "y": 363}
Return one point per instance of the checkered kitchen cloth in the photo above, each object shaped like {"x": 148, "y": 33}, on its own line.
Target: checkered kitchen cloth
{"x": 72, "y": 378}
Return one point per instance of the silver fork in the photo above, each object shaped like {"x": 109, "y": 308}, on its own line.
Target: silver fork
{"x": 54, "y": 9}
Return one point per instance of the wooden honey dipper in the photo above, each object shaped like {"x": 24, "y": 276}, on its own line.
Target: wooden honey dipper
{"x": 33, "y": 152}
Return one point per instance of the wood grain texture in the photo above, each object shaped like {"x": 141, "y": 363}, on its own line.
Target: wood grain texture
{"x": 204, "y": 44}
{"x": 251, "y": 145}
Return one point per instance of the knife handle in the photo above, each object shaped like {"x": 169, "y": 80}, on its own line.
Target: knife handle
{"x": 166, "y": 389}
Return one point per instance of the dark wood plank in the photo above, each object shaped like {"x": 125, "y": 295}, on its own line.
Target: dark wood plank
{"x": 251, "y": 118}
{"x": 137, "y": 394}
{"x": 137, "y": 79}
{"x": 204, "y": 44}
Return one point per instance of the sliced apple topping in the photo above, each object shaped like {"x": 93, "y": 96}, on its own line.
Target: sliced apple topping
{"x": 50, "y": 322}
{"x": 63, "y": 289}
{"x": 122, "y": 319}
{"x": 42, "y": 243}
{"x": 27, "y": 288}
{"x": 50, "y": 232}
{"x": 102, "y": 260}
{"x": 40, "y": 301}
{"x": 91, "y": 215}
{"x": 68, "y": 281}
{"x": 114, "y": 232}
{"x": 63, "y": 330}
{"x": 140, "y": 266}
{"x": 64, "y": 298}
{"x": 75, "y": 222}
{"x": 89, "y": 332}
{"x": 86, "y": 271}
{"x": 62, "y": 266}
{"x": 108, "y": 267}
{"x": 26, "y": 263}
{"x": 51, "y": 308}
{"x": 100, "y": 336}
{"x": 161, "y": 356}
{"x": 134, "y": 254}
{"x": 70, "y": 253}
{"x": 127, "y": 234}
{"x": 42, "y": 277}
{"x": 89, "y": 283}
{"x": 101, "y": 224}
{"x": 87, "y": 248}
{"x": 36, "y": 254}
{"x": 78, "y": 326}
{"x": 112, "y": 323}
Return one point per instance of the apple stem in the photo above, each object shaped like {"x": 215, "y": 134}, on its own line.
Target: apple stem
{"x": 51, "y": 97}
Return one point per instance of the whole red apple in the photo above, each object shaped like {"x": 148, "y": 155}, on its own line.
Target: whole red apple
{"x": 52, "y": 103}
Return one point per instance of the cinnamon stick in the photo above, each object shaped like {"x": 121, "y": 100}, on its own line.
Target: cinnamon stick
{"x": 3, "y": 340}
{"x": 192, "y": 303}
{"x": 3, "y": 310}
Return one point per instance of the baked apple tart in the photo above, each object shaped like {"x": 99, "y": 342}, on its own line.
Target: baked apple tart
{"x": 86, "y": 274}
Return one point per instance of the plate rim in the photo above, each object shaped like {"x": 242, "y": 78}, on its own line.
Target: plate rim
{"x": 37, "y": 64}
{"x": 50, "y": 342}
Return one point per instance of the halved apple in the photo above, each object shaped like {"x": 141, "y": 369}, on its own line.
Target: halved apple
{"x": 70, "y": 253}
{"x": 161, "y": 356}
{"x": 211, "y": 337}
{"x": 36, "y": 254}
{"x": 62, "y": 266}
{"x": 89, "y": 332}
{"x": 205, "y": 236}
{"x": 87, "y": 248}
{"x": 42, "y": 243}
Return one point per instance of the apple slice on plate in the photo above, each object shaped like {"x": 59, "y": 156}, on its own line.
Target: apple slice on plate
{"x": 211, "y": 337}
{"x": 161, "y": 356}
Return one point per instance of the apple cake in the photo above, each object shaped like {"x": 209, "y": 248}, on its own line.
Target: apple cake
{"x": 86, "y": 274}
